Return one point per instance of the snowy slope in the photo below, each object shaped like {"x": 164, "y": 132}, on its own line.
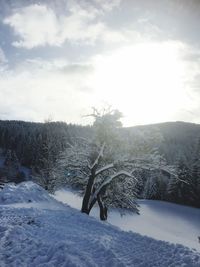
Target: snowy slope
{"x": 163, "y": 221}
{"x": 158, "y": 219}
{"x": 63, "y": 236}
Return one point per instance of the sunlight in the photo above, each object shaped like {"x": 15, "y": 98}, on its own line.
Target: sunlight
{"x": 145, "y": 81}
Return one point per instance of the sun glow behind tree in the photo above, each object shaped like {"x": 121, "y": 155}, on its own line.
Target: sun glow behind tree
{"x": 141, "y": 57}
{"x": 145, "y": 81}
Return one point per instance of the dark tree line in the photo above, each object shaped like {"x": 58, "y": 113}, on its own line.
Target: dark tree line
{"x": 10, "y": 169}
{"x": 34, "y": 142}
{"x": 40, "y": 146}
{"x": 186, "y": 189}
{"x": 37, "y": 145}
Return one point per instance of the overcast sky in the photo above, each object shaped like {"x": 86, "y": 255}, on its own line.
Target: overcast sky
{"x": 59, "y": 58}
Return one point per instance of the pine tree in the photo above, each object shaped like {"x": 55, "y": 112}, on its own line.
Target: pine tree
{"x": 194, "y": 193}
{"x": 11, "y": 168}
{"x": 151, "y": 187}
{"x": 179, "y": 187}
{"x": 46, "y": 159}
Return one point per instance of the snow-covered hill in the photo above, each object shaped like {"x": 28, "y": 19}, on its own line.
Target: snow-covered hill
{"x": 39, "y": 231}
{"x": 158, "y": 219}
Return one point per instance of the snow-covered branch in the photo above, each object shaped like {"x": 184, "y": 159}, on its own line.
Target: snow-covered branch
{"x": 105, "y": 168}
{"x": 110, "y": 179}
{"x": 100, "y": 155}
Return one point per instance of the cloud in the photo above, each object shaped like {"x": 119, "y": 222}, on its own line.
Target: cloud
{"x": 40, "y": 83}
{"x": 75, "y": 68}
{"x": 36, "y": 89}
{"x": 39, "y": 25}
{"x": 62, "y": 66}
{"x": 3, "y": 59}
{"x": 35, "y": 25}
{"x": 108, "y": 5}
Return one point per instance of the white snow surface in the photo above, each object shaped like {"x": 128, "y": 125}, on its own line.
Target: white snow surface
{"x": 33, "y": 234}
{"x": 161, "y": 220}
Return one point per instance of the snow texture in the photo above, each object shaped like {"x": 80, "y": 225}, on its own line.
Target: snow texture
{"x": 25, "y": 192}
{"x": 64, "y": 237}
{"x": 158, "y": 219}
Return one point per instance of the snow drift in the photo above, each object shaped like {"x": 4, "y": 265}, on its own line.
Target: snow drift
{"x": 65, "y": 237}
{"x": 25, "y": 192}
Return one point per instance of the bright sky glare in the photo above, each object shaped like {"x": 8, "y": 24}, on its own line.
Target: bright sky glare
{"x": 146, "y": 81}
{"x": 60, "y": 58}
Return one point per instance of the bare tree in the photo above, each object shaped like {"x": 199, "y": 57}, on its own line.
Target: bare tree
{"x": 88, "y": 166}
{"x": 94, "y": 193}
{"x": 98, "y": 167}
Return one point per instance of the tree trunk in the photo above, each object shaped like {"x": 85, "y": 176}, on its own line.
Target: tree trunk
{"x": 88, "y": 193}
{"x": 103, "y": 209}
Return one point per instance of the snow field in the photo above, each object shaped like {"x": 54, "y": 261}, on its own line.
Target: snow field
{"x": 161, "y": 220}
{"x": 63, "y": 236}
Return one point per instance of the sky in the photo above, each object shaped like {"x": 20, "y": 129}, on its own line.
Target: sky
{"x": 60, "y": 58}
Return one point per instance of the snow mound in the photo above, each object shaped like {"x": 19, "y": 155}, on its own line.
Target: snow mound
{"x": 25, "y": 192}
{"x": 31, "y": 237}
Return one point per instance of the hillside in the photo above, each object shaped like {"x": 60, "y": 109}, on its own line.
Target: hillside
{"x": 39, "y": 231}
{"x": 41, "y": 147}
{"x": 160, "y": 220}
{"x": 177, "y": 139}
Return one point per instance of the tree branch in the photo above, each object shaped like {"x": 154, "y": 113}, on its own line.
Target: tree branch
{"x": 107, "y": 182}
{"x": 105, "y": 168}
{"x": 100, "y": 155}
